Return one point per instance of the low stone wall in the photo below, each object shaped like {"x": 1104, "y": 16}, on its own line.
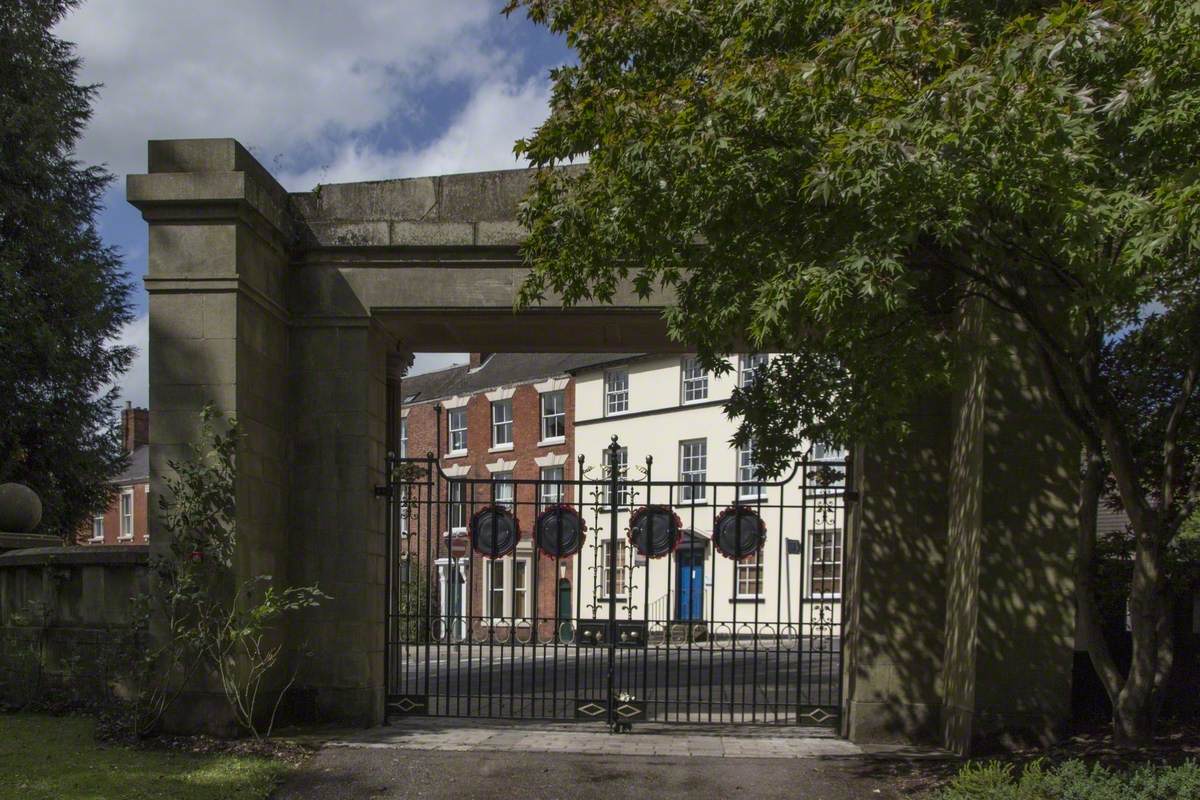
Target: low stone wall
{"x": 64, "y": 616}
{"x": 24, "y": 541}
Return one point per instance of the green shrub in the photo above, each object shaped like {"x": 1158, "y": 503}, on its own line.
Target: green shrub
{"x": 1073, "y": 780}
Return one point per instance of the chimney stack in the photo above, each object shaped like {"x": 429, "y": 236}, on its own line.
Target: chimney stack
{"x": 135, "y": 425}
{"x": 477, "y": 359}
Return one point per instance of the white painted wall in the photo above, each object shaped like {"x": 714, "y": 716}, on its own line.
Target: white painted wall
{"x": 655, "y": 424}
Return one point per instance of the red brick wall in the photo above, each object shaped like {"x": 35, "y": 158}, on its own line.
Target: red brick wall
{"x": 421, "y": 429}
{"x": 112, "y": 518}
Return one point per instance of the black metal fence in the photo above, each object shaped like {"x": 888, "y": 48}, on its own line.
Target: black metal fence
{"x": 615, "y": 597}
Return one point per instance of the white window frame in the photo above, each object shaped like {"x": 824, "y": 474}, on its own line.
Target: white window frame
{"x": 457, "y": 506}
{"x": 622, "y": 568}
{"x": 502, "y": 424}
{"x": 126, "y": 516}
{"x": 403, "y": 498}
{"x": 750, "y": 486}
{"x": 824, "y": 452}
{"x": 504, "y": 490}
{"x": 836, "y": 562}
{"x": 451, "y": 430}
{"x": 748, "y": 366}
{"x": 558, "y": 418}
{"x": 688, "y": 472}
{"x": 508, "y": 591}
{"x": 552, "y": 488}
{"x": 616, "y": 396}
{"x": 693, "y": 381}
{"x": 623, "y": 472}
{"x": 98, "y": 528}
{"x": 749, "y": 565}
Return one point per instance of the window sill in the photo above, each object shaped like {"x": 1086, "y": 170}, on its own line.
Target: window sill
{"x": 552, "y": 441}
{"x": 751, "y": 497}
{"x": 455, "y": 454}
{"x": 691, "y": 502}
{"x": 501, "y": 448}
{"x": 696, "y": 402}
{"x": 617, "y": 413}
{"x": 747, "y": 600}
{"x": 823, "y": 598}
{"x": 125, "y": 538}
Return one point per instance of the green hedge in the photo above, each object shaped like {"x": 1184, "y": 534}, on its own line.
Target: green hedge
{"x": 1073, "y": 780}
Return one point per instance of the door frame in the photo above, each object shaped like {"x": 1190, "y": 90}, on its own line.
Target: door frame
{"x": 690, "y": 558}
{"x": 443, "y": 572}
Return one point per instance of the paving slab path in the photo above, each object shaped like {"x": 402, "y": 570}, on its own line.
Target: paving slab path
{"x": 474, "y": 759}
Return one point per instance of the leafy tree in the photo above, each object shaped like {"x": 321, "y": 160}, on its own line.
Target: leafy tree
{"x": 63, "y": 294}
{"x": 833, "y": 180}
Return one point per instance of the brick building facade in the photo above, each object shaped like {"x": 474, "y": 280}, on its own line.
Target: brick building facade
{"x": 125, "y": 519}
{"x": 499, "y": 424}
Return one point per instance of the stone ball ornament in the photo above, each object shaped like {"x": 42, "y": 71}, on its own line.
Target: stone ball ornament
{"x": 739, "y": 532}
{"x": 494, "y": 531}
{"x": 655, "y": 531}
{"x": 20, "y": 508}
{"x": 560, "y": 531}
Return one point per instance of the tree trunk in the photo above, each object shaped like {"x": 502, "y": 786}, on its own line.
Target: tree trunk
{"x": 1135, "y": 698}
{"x": 1090, "y": 489}
{"x": 1133, "y": 713}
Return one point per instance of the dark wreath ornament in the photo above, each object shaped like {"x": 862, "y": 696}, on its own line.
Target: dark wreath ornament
{"x": 655, "y": 531}
{"x": 739, "y": 532}
{"x": 560, "y": 531}
{"x": 494, "y": 531}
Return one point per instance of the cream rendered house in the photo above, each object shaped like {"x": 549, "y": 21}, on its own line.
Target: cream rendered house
{"x": 668, "y": 409}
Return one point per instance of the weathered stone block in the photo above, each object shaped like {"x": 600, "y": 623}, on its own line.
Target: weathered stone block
{"x": 432, "y": 234}
{"x": 346, "y": 234}
{"x": 196, "y": 155}
{"x": 500, "y": 233}
{"x": 409, "y": 198}
{"x": 190, "y": 361}
{"x": 483, "y": 196}
{"x": 179, "y": 316}
{"x": 188, "y": 251}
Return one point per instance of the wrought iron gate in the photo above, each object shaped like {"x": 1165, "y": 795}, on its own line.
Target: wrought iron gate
{"x": 678, "y": 601}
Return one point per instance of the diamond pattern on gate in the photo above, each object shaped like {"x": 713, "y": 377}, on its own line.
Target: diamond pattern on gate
{"x": 590, "y": 710}
{"x": 409, "y": 704}
{"x": 818, "y": 715}
{"x": 629, "y": 711}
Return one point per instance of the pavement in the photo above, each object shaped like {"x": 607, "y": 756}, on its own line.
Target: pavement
{"x": 442, "y": 758}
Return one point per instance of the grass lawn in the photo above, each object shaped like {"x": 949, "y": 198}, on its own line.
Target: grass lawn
{"x": 58, "y": 757}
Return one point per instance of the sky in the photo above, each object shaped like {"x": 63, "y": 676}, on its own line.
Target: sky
{"x": 320, "y": 92}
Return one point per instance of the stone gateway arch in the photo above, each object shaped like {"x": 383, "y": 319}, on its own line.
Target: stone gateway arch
{"x": 298, "y": 314}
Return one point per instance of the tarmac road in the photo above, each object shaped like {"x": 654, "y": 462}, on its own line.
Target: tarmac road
{"x": 386, "y": 774}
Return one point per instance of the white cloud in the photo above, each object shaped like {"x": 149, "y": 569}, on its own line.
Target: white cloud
{"x": 480, "y": 137}
{"x": 135, "y": 383}
{"x": 285, "y": 78}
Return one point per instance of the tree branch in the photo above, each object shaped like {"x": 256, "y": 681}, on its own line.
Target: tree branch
{"x": 1171, "y": 453}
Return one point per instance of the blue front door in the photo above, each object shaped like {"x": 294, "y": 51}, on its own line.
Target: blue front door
{"x": 690, "y": 588}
